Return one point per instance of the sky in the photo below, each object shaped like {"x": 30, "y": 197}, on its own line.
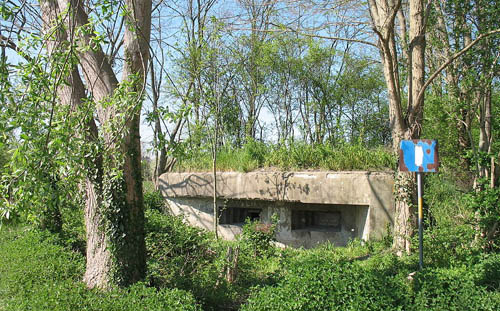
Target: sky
{"x": 230, "y": 10}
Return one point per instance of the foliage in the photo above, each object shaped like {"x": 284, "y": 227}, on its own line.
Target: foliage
{"x": 326, "y": 279}
{"x": 486, "y": 203}
{"x": 258, "y": 236}
{"x": 73, "y": 233}
{"x": 40, "y": 271}
{"x": 147, "y": 169}
{"x": 329, "y": 110}
{"x": 46, "y": 156}
{"x": 68, "y": 134}
{"x": 319, "y": 283}
{"x": 176, "y": 252}
{"x": 448, "y": 246}
{"x": 298, "y": 155}
{"x": 487, "y": 272}
{"x": 153, "y": 200}
{"x": 342, "y": 157}
{"x": 4, "y": 153}
{"x": 180, "y": 256}
{"x": 40, "y": 274}
{"x": 451, "y": 289}
{"x": 184, "y": 257}
{"x": 449, "y": 232}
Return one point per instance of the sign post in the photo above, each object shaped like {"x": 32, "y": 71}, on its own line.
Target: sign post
{"x": 420, "y": 222}
{"x": 419, "y": 156}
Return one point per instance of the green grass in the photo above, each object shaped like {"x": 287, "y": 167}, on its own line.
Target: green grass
{"x": 258, "y": 155}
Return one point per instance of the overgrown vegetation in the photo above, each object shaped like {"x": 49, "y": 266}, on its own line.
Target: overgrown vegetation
{"x": 40, "y": 273}
{"x": 258, "y": 155}
{"x": 189, "y": 270}
{"x": 322, "y": 280}
{"x": 180, "y": 256}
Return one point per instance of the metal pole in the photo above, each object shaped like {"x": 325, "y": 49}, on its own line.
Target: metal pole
{"x": 420, "y": 221}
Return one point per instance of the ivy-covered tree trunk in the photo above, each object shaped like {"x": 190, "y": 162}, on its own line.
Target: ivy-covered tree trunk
{"x": 404, "y": 124}
{"x": 114, "y": 214}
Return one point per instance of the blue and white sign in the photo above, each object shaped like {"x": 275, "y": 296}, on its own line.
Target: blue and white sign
{"x": 419, "y": 155}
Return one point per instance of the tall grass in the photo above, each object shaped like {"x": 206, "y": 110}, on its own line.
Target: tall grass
{"x": 257, "y": 155}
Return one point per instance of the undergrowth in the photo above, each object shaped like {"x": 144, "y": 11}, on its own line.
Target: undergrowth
{"x": 39, "y": 273}
{"x": 189, "y": 270}
{"x": 180, "y": 256}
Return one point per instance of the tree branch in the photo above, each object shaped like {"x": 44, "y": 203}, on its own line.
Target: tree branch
{"x": 289, "y": 29}
{"x": 452, "y": 58}
{"x": 8, "y": 43}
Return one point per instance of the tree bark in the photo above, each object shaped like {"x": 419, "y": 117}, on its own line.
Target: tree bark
{"x": 70, "y": 91}
{"x": 114, "y": 215}
{"x": 404, "y": 125}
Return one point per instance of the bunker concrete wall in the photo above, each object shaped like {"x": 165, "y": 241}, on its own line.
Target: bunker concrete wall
{"x": 364, "y": 199}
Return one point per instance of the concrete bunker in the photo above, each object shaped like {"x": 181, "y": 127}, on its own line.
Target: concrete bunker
{"x": 313, "y": 207}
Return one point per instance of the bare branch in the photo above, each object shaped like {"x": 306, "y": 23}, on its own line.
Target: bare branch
{"x": 289, "y": 29}
{"x": 452, "y": 58}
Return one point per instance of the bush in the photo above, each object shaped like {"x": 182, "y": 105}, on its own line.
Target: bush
{"x": 486, "y": 204}
{"x": 176, "y": 252}
{"x": 37, "y": 273}
{"x": 448, "y": 246}
{"x": 153, "y": 200}
{"x": 322, "y": 279}
{"x": 451, "y": 289}
{"x": 449, "y": 236}
{"x": 181, "y": 256}
{"x": 487, "y": 272}
{"x": 317, "y": 282}
{"x": 189, "y": 258}
{"x": 259, "y": 236}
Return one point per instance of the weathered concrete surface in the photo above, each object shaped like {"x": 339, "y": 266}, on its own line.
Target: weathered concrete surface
{"x": 199, "y": 212}
{"x": 364, "y": 198}
{"x": 305, "y": 187}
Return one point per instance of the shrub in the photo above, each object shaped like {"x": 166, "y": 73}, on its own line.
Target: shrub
{"x": 449, "y": 236}
{"x": 448, "y": 246}
{"x": 185, "y": 257}
{"x": 73, "y": 232}
{"x": 153, "y": 200}
{"x": 486, "y": 203}
{"x": 38, "y": 273}
{"x": 176, "y": 251}
{"x": 450, "y": 289}
{"x": 487, "y": 272}
{"x": 189, "y": 258}
{"x": 320, "y": 283}
{"x": 258, "y": 236}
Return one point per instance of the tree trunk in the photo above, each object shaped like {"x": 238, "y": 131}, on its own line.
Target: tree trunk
{"x": 114, "y": 215}
{"x": 404, "y": 125}
{"x": 70, "y": 93}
